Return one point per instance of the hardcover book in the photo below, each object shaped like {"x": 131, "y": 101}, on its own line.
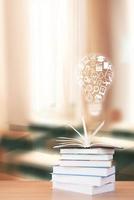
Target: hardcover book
{"x": 83, "y": 179}
{"x": 91, "y": 171}
{"x": 84, "y": 188}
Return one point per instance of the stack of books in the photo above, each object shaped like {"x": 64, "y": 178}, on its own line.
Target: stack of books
{"x": 85, "y": 170}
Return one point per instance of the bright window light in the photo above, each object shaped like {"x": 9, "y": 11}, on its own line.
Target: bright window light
{"x": 54, "y": 59}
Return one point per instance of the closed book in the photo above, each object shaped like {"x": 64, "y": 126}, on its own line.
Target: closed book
{"x": 86, "y": 163}
{"x": 85, "y": 189}
{"x": 90, "y": 171}
{"x": 85, "y": 157}
{"x": 91, "y": 180}
{"x": 87, "y": 151}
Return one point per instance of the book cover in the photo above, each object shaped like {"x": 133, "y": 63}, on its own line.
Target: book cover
{"x": 91, "y": 171}
{"x": 82, "y": 188}
{"x": 86, "y": 163}
{"x": 85, "y": 157}
{"x": 91, "y": 180}
{"x": 98, "y": 151}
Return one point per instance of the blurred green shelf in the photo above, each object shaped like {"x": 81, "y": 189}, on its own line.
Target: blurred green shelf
{"x": 43, "y": 138}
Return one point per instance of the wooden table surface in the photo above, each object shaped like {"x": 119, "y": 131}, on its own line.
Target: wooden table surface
{"x": 42, "y": 190}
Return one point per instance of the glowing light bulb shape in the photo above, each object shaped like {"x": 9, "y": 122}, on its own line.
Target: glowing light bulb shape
{"x": 95, "y": 77}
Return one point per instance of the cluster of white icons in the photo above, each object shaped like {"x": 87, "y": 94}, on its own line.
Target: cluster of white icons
{"x": 95, "y": 77}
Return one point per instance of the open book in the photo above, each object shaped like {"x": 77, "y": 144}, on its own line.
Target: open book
{"x": 84, "y": 140}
